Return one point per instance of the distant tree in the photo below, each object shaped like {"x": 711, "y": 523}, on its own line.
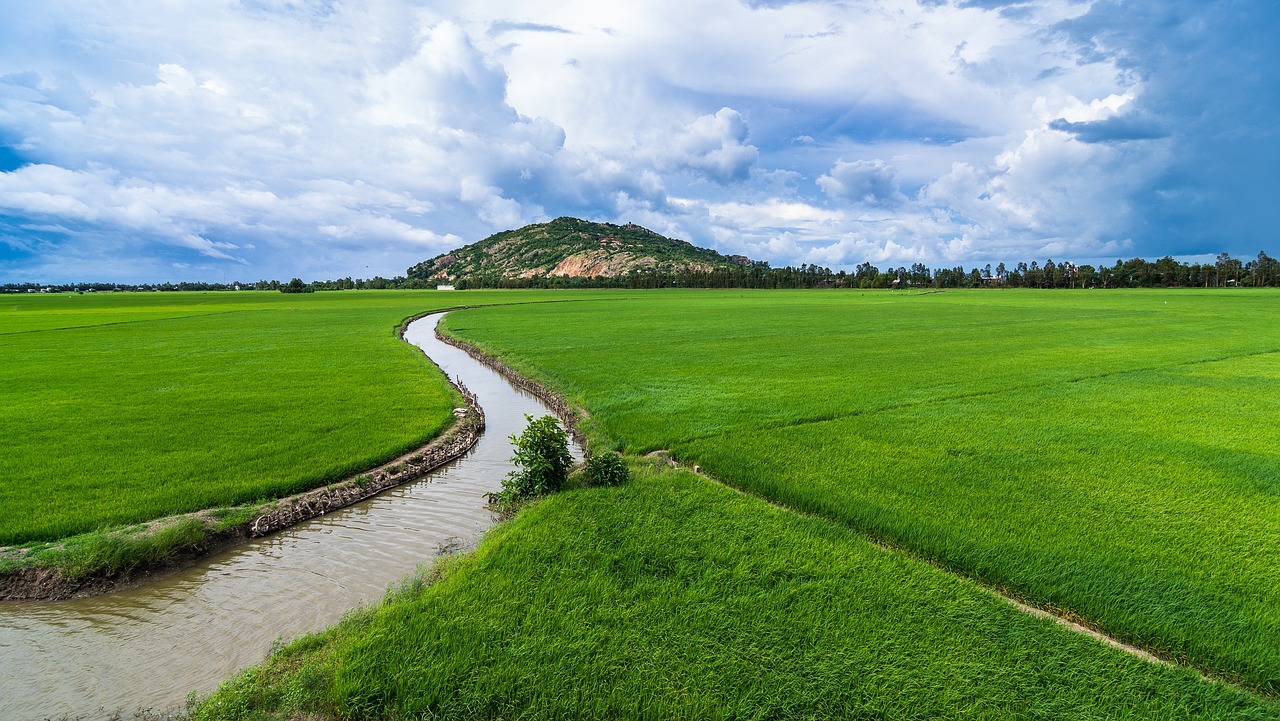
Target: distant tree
{"x": 865, "y": 275}
{"x": 1223, "y": 268}
{"x": 1087, "y": 276}
{"x": 1119, "y": 276}
{"x": 920, "y": 274}
{"x": 1167, "y": 272}
{"x": 1234, "y": 269}
{"x": 1034, "y": 276}
{"x": 1265, "y": 271}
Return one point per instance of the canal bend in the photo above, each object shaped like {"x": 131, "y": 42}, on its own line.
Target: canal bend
{"x": 148, "y": 647}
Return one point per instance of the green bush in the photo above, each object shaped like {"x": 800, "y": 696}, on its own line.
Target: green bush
{"x": 542, "y": 461}
{"x": 109, "y": 553}
{"x": 606, "y": 469}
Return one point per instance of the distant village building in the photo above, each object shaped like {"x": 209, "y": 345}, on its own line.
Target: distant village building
{"x": 444, "y": 287}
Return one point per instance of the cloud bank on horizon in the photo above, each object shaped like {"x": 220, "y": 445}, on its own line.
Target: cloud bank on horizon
{"x": 246, "y": 139}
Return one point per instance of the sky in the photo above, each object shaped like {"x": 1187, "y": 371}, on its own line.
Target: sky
{"x": 154, "y": 141}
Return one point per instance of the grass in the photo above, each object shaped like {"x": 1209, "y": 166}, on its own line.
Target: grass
{"x": 96, "y": 553}
{"x": 113, "y": 551}
{"x": 671, "y": 597}
{"x": 1110, "y": 455}
{"x": 123, "y": 408}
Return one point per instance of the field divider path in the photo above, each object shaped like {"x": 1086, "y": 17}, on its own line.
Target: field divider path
{"x": 890, "y": 547}
{"x": 572, "y": 417}
{"x": 157, "y": 319}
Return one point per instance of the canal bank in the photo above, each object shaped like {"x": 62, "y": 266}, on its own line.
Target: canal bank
{"x": 148, "y": 647}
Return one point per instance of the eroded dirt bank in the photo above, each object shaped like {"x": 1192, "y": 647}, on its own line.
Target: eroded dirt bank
{"x": 571, "y": 416}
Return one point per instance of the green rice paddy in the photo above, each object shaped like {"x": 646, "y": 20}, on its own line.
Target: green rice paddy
{"x": 1113, "y": 456}
{"x": 121, "y": 408}
{"x": 674, "y": 598}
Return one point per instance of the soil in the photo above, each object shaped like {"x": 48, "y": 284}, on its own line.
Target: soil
{"x": 48, "y": 584}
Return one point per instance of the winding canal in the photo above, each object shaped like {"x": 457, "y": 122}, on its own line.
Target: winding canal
{"x": 148, "y": 647}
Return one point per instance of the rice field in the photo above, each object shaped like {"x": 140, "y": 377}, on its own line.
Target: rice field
{"x": 671, "y": 597}
{"x": 1113, "y": 456}
{"x": 122, "y": 408}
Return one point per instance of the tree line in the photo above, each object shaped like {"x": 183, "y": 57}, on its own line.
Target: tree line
{"x": 1224, "y": 272}
{"x": 295, "y": 285}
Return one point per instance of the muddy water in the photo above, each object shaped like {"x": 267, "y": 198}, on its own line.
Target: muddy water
{"x": 148, "y": 647}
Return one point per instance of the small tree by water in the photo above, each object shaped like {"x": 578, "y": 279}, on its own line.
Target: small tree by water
{"x": 542, "y": 461}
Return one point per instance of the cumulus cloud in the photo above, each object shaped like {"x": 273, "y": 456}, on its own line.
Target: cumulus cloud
{"x": 1200, "y": 67}
{"x": 714, "y": 145}
{"x": 277, "y": 138}
{"x": 878, "y": 247}
{"x": 99, "y": 199}
{"x": 395, "y": 149}
{"x": 864, "y": 182}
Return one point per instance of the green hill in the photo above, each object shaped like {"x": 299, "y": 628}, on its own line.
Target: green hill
{"x": 573, "y": 248}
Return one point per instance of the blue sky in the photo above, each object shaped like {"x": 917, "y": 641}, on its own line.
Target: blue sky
{"x": 221, "y": 140}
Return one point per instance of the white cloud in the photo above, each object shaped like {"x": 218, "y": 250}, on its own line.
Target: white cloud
{"x": 97, "y": 198}
{"x": 291, "y": 135}
{"x": 716, "y": 146}
{"x": 860, "y": 247}
{"x": 864, "y": 182}
{"x": 445, "y": 84}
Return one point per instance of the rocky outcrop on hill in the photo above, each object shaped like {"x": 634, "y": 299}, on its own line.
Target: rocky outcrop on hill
{"x": 572, "y": 248}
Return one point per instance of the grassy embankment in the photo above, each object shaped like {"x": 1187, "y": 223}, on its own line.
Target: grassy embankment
{"x": 674, "y": 598}
{"x": 123, "y": 408}
{"x": 1114, "y": 456}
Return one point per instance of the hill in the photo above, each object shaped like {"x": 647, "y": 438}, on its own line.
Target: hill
{"x": 573, "y": 248}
